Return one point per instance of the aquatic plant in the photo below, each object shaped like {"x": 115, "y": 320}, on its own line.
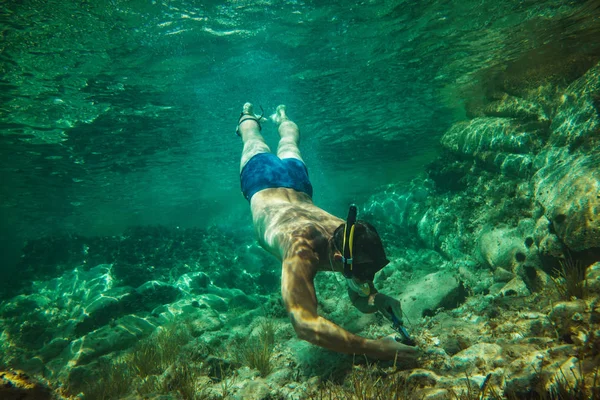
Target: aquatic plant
{"x": 473, "y": 392}
{"x": 111, "y": 380}
{"x": 152, "y": 356}
{"x": 570, "y": 279}
{"x": 256, "y": 351}
{"x": 365, "y": 383}
{"x": 575, "y": 388}
{"x": 183, "y": 379}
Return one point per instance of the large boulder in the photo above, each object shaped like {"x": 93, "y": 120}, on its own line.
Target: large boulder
{"x": 423, "y": 297}
{"x": 577, "y": 120}
{"x": 482, "y": 356}
{"x": 503, "y": 144}
{"x": 569, "y": 191}
{"x": 398, "y": 208}
{"x": 124, "y": 333}
{"x": 509, "y": 248}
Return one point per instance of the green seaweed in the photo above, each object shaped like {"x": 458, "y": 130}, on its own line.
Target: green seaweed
{"x": 183, "y": 379}
{"x": 111, "y": 380}
{"x": 152, "y": 356}
{"x": 365, "y": 383}
{"x": 570, "y": 279}
{"x": 256, "y": 351}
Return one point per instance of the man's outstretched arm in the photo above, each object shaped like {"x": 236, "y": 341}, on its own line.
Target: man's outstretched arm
{"x": 298, "y": 293}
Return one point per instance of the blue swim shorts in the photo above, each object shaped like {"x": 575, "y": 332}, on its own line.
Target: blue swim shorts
{"x": 266, "y": 170}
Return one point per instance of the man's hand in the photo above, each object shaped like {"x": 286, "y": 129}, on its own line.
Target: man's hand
{"x": 388, "y": 349}
{"x": 388, "y": 305}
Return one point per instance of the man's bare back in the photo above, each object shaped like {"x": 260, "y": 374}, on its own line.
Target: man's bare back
{"x": 301, "y": 235}
{"x": 283, "y": 215}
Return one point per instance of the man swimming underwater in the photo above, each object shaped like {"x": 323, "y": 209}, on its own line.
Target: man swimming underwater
{"x": 308, "y": 240}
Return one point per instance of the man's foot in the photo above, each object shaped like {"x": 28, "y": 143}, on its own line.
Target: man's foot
{"x": 248, "y": 115}
{"x": 280, "y": 115}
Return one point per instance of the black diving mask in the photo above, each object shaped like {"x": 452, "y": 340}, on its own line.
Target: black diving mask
{"x": 364, "y": 271}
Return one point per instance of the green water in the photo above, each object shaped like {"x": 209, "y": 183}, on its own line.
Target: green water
{"x": 119, "y": 113}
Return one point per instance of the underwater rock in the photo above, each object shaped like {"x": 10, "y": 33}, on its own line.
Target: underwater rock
{"x": 437, "y": 229}
{"x": 483, "y": 135}
{"x": 549, "y": 245}
{"x": 592, "y": 278}
{"x": 502, "y": 275}
{"x": 17, "y": 385}
{"x": 577, "y": 120}
{"x": 425, "y": 296}
{"x": 569, "y": 191}
{"x": 528, "y": 324}
{"x": 516, "y": 107}
{"x": 115, "y": 303}
{"x": 122, "y": 335}
{"x": 105, "y": 307}
{"x": 243, "y": 302}
{"x": 523, "y": 374}
{"x": 516, "y": 287}
{"x": 280, "y": 377}
{"x": 529, "y": 374}
{"x": 194, "y": 282}
{"x": 203, "y": 321}
{"x": 478, "y": 280}
{"x": 503, "y": 144}
{"x": 509, "y": 248}
{"x": 436, "y": 394}
{"x": 449, "y": 172}
{"x": 155, "y": 293}
{"x": 568, "y": 374}
{"x": 454, "y": 334}
{"x": 215, "y": 302}
{"x": 483, "y": 356}
{"x": 398, "y": 208}
{"x": 422, "y": 378}
{"x": 52, "y": 349}
{"x": 567, "y": 315}
{"x": 256, "y": 389}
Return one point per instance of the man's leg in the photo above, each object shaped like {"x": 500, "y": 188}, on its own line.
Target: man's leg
{"x": 289, "y": 133}
{"x": 254, "y": 143}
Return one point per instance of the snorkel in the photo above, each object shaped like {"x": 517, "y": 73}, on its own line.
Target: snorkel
{"x": 363, "y": 289}
{"x": 348, "y": 243}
